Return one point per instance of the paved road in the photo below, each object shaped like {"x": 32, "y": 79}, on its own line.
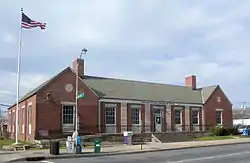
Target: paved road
{"x": 223, "y": 154}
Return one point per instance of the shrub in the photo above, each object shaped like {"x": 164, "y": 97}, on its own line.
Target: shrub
{"x": 222, "y": 131}
{"x": 217, "y": 131}
{"x": 211, "y": 131}
{"x": 232, "y": 130}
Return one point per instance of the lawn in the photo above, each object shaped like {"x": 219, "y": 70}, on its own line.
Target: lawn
{"x": 10, "y": 142}
{"x": 6, "y": 142}
{"x": 216, "y": 138}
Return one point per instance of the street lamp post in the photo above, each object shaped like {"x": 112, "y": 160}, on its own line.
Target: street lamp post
{"x": 84, "y": 51}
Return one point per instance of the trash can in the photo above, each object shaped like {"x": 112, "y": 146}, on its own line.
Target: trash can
{"x": 54, "y": 147}
{"x": 129, "y": 137}
{"x": 97, "y": 146}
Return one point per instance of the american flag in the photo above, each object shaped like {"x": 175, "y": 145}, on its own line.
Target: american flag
{"x": 28, "y": 23}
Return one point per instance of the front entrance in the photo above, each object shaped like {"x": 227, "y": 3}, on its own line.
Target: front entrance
{"x": 158, "y": 120}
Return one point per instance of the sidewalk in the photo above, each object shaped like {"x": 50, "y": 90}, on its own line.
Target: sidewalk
{"x": 117, "y": 150}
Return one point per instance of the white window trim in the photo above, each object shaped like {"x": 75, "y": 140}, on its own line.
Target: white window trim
{"x": 221, "y": 115}
{"x": 196, "y": 109}
{"x": 180, "y": 109}
{"x": 30, "y": 126}
{"x": 111, "y": 125}
{"x": 147, "y": 102}
{"x": 110, "y": 105}
{"x": 158, "y": 107}
{"x": 135, "y": 106}
{"x": 28, "y": 111}
{"x": 68, "y": 104}
{"x": 140, "y": 120}
{"x": 23, "y": 119}
{"x": 22, "y": 129}
{"x": 29, "y": 116}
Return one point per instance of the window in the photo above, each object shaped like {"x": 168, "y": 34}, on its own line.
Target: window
{"x": 110, "y": 114}
{"x": 23, "y": 116}
{"x": 29, "y": 114}
{"x": 195, "y": 117}
{"x": 29, "y": 118}
{"x": 68, "y": 114}
{"x": 135, "y": 115}
{"x": 177, "y": 116}
{"x": 219, "y": 117}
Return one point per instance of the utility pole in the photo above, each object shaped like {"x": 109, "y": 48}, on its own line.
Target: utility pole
{"x": 84, "y": 51}
{"x": 243, "y": 107}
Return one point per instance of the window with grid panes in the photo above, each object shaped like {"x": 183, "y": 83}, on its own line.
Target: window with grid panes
{"x": 68, "y": 114}
{"x": 110, "y": 114}
{"x": 177, "y": 116}
{"x": 218, "y": 117}
{"x": 135, "y": 115}
{"x": 195, "y": 116}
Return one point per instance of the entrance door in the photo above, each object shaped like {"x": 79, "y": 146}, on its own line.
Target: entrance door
{"x": 158, "y": 120}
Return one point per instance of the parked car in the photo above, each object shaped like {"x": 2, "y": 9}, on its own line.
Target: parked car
{"x": 240, "y": 128}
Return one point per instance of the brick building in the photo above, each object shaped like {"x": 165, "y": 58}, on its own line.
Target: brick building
{"x": 115, "y": 105}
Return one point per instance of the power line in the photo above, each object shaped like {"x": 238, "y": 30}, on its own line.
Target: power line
{"x": 243, "y": 104}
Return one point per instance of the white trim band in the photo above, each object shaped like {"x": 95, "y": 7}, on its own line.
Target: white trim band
{"x": 149, "y": 102}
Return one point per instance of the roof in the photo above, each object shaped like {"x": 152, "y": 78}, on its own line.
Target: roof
{"x": 137, "y": 90}
{"x": 206, "y": 92}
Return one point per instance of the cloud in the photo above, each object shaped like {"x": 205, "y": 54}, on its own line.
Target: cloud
{"x": 8, "y": 84}
{"x": 161, "y": 41}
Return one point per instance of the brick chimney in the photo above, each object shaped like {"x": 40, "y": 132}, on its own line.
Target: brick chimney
{"x": 80, "y": 66}
{"x": 191, "y": 81}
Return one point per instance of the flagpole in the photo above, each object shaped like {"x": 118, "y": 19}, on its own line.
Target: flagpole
{"x": 18, "y": 77}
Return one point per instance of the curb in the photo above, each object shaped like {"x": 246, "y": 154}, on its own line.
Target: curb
{"x": 39, "y": 158}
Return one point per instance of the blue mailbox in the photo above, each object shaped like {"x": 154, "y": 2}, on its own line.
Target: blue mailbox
{"x": 245, "y": 132}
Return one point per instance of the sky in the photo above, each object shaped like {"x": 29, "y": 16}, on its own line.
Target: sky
{"x": 149, "y": 40}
